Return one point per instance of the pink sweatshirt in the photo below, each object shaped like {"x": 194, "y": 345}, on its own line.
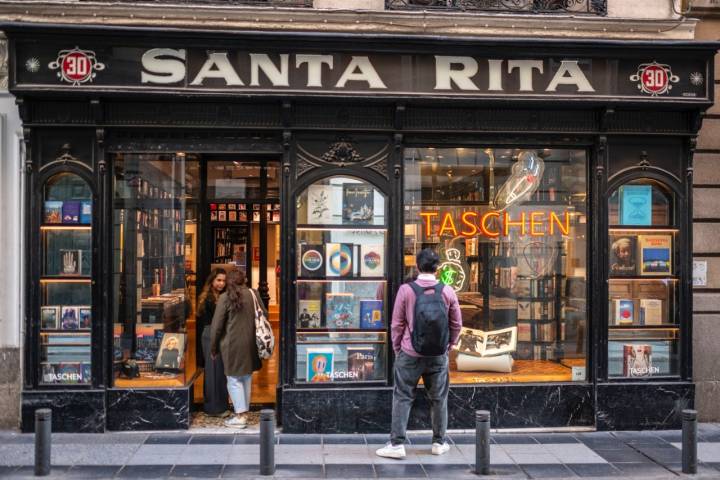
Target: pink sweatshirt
{"x": 402, "y": 317}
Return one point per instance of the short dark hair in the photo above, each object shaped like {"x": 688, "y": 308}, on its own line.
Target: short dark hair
{"x": 427, "y": 261}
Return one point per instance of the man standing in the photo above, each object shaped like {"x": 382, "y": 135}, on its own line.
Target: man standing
{"x": 426, "y": 323}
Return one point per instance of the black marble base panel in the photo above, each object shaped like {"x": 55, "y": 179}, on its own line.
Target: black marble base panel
{"x": 643, "y": 405}
{"x": 80, "y": 411}
{"x": 149, "y": 409}
{"x": 369, "y": 410}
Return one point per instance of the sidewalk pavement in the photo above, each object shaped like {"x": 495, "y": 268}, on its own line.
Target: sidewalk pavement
{"x": 610, "y": 455}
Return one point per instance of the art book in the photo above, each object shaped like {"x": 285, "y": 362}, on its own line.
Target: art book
{"x": 339, "y": 259}
{"x": 49, "y": 317}
{"x": 651, "y": 311}
{"x": 655, "y": 254}
{"x": 624, "y": 311}
{"x": 86, "y": 212}
{"x": 635, "y": 205}
{"x": 361, "y": 363}
{"x": 53, "y": 212}
{"x": 69, "y": 318}
{"x": 372, "y": 261}
{"x": 85, "y": 317}
{"x": 637, "y": 361}
{"x": 309, "y": 314}
{"x": 312, "y": 260}
{"x": 524, "y": 332}
{"x": 71, "y": 212}
{"x": 623, "y": 255}
{"x": 371, "y": 314}
{"x": 339, "y": 310}
{"x": 172, "y": 350}
{"x": 320, "y": 365}
{"x": 319, "y": 208}
{"x": 71, "y": 262}
{"x": 358, "y": 203}
{"x": 487, "y": 344}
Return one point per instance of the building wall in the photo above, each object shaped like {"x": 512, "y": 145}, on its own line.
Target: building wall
{"x": 10, "y": 271}
{"x": 706, "y": 218}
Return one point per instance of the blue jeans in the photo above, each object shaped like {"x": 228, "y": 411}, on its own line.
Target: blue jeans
{"x": 239, "y": 389}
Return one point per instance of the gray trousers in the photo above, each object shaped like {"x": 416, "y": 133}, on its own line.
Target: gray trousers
{"x": 436, "y": 378}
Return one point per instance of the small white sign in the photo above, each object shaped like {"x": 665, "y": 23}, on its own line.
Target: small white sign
{"x": 578, "y": 374}
{"x": 699, "y": 273}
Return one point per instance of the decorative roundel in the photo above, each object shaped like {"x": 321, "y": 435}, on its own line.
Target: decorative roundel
{"x": 654, "y": 78}
{"x": 340, "y": 263}
{"x": 312, "y": 260}
{"x": 372, "y": 260}
{"x": 76, "y": 66}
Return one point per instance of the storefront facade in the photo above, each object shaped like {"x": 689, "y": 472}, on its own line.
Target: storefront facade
{"x": 553, "y": 177}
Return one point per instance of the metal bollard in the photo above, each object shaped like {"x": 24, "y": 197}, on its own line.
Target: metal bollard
{"x": 43, "y": 432}
{"x": 689, "y": 441}
{"x": 482, "y": 442}
{"x": 267, "y": 442}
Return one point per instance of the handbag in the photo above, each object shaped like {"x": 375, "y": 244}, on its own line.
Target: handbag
{"x": 264, "y": 338}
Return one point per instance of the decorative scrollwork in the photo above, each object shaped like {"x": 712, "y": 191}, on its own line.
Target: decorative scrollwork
{"x": 515, "y": 6}
{"x": 342, "y": 153}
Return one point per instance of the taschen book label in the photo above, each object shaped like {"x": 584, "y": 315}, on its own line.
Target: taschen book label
{"x": 637, "y": 361}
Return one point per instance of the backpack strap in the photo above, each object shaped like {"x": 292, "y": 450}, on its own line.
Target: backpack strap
{"x": 421, "y": 290}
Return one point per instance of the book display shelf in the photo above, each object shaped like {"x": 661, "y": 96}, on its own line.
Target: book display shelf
{"x": 65, "y": 282}
{"x": 643, "y": 282}
{"x": 341, "y": 283}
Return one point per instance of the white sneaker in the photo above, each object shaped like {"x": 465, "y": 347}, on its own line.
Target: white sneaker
{"x": 440, "y": 448}
{"x": 391, "y": 451}
{"x": 236, "y": 422}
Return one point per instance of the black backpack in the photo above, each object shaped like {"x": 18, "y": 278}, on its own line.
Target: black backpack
{"x": 431, "y": 329}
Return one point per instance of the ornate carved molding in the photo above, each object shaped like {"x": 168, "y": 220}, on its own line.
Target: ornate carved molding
{"x": 341, "y": 153}
{"x": 644, "y": 161}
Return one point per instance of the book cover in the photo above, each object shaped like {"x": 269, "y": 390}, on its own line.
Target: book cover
{"x": 319, "y": 208}
{"x": 524, "y": 332}
{"x": 312, "y": 260}
{"x": 651, "y": 311}
{"x": 635, "y": 205}
{"x": 623, "y": 255}
{"x": 71, "y": 212}
{"x": 49, "y": 317}
{"x": 624, "y": 311}
{"x": 320, "y": 365}
{"x": 69, "y": 318}
{"x": 655, "y": 254}
{"x": 309, "y": 314}
{"x": 358, "y": 205}
{"x": 524, "y": 310}
{"x": 71, "y": 262}
{"x": 371, "y": 314}
{"x": 67, "y": 373}
{"x": 637, "y": 361}
{"x": 86, "y": 212}
{"x": 339, "y": 259}
{"x": 372, "y": 262}
{"x": 361, "y": 363}
{"x": 222, "y": 215}
{"x": 172, "y": 350}
{"x": 486, "y": 344}
{"x": 53, "y": 212}
{"x": 85, "y": 372}
{"x": 339, "y": 308}
{"x": 85, "y": 317}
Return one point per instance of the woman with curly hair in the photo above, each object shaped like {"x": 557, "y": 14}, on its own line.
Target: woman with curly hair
{"x": 215, "y": 394}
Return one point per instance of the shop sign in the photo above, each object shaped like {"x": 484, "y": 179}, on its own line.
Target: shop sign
{"x": 493, "y": 224}
{"x": 211, "y": 69}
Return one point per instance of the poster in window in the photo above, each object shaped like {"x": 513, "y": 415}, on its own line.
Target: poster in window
{"x": 320, "y": 365}
{"x": 319, "y": 208}
{"x": 635, "y": 205}
{"x": 655, "y": 254}
{"x": 623, "y": 255}
{"x": 358, "y": 205}
{"x": 172, "y": 349}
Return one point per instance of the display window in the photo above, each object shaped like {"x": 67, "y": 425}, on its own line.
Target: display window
{"x": 341, "y": 282}
{"x": 154, "y": 244}
{"x": 643, "y": 307}
{"x": 510, "y": 226}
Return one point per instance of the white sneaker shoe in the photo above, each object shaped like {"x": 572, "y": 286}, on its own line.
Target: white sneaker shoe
{"x": 440, "y": 448}
{"x": 236, "y": 422}
{"x": 391, "y": 451}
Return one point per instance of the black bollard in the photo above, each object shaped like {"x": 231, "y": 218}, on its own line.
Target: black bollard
{"x": 43, "y": 432}
{"x": 482, "y": 442}
{"x": 267, "y": 442}
{"x": 689, "y": 441}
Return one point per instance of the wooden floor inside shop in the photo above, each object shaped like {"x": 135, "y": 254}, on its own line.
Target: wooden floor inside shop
{"x": 524, "y": 371}
{"x": 264, "y": 381}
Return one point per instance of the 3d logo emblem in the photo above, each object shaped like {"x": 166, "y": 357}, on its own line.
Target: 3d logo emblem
{"x": 654, "y": 78}
{"x": 76, "y": 66}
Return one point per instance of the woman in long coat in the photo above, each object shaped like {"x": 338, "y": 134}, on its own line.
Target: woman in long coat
{"x": 233, "y": 336}
{"x": 215, "y": 394}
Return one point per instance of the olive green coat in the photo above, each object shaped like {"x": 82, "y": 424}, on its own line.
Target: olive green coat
{"x": 233, "y": 334}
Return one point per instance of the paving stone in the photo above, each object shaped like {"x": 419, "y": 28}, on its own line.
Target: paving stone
{"x": 346, "y": 454}
{"x": 506, "y": 471}
{"x": 708, "y": 452}
{"x": 593, "y": 469}
{"x": 661, "y": 455}
{"x": 451, "y": 471}
{"x": 498, "y": 455}
{"x": 6, "y": 471}
{"x": 247, "y": 440}
{"x": 17, "y": 455}
{"x": 350, "y": 471}
{"x": 56, "y": 471}
{"x": 547, "y": 471}
{"x": 376, "y": 438}
{"x": 299, "y": 471}
{"x": 514, "y": 439}
{"x": 212, "y": 439}
{"x": 244, "y": 471}
{"x": 555, "y": 438}
{"x": 340, "y": 439}
{"x": 8, "y": 438}
{"x": 420, "y": 439}
{"x": 527, "y": 459}
{"x": 159, "y": 439}
{"x": 196, "y": 471}
{"x": 632, "y": 470}
{"x": 144, "y": 471}
{"x": 623, "y": 456}
{"x": 93, "y": 471}
{"x": 466, "y": 439}
{"x": 573, "y": 453}
{"x": 407, "y": 470}
{"x": 299, "y": 439}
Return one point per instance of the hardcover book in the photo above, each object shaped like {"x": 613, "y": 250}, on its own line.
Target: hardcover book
{"x": 86, "y": 212}
{"x": 339, "y": 259}
{"x": 319, "y": 208}
{"x": 320, "y": 365}
{"x": 339, "y": 310}
{"x": 85, "y": 373}
{"x": 312, "y": 260}
{"x": 309, "y": 314}
{"x": 71, "y": 212}
{"x": 361, "y": 363}
{"x": 71, "y": 262}
{"x": 85, "y": 317}
{"x": 358, "y": 205}
{"x": 53, "y": 212}
{"x": 487, "y": 344}
{"x": 624, "y": 311}
{"x": 371, "y": 314}
{"x": 635, "y": 205}
{"x": 651, "y": 311}
{"x": 637, "y": 361}
{"x": 524, "y": 310}
{"x": 524, "y": 332}
{"x": 372, "y": 263}
{"x": 655, "y": 254}
{"x": 67, "y": 373}
{"x": 623, "y": 255}
{"x": 49, "y": 317}
{"x": 172, "y": 350}
{"x": 69, "y": 318}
